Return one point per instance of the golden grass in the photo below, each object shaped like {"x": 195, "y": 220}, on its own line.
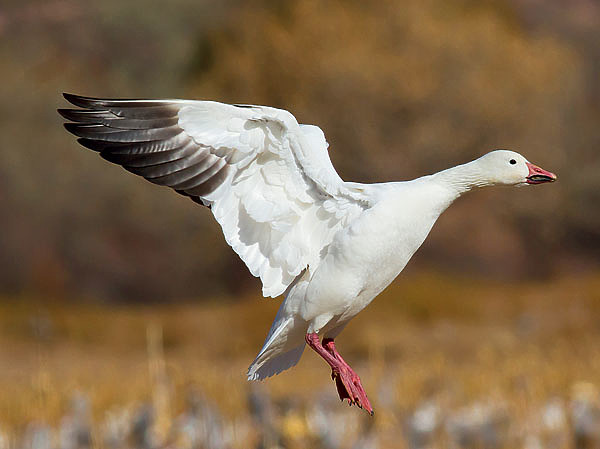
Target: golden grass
{"x": 427, "y": 336}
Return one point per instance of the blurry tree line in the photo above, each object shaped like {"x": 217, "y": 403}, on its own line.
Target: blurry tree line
{"x": 400, "y": 88}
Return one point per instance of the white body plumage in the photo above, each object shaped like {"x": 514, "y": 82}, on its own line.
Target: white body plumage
{"x": 359, "y": 263}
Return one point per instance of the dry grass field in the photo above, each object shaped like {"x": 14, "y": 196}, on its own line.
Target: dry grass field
{"x": 447, "y": 363}
{"x": 117, "y": 345}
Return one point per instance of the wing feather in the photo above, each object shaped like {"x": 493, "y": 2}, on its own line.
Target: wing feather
{"x": 268, "y": 180}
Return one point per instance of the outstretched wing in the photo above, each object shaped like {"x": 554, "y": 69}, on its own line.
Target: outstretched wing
{"x": 268, "y": 180}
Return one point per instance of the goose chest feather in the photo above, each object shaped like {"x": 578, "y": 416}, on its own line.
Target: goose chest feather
{"x": 367, "y": 256}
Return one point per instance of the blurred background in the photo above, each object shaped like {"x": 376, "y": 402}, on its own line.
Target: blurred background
{"x": 125, "y": 319}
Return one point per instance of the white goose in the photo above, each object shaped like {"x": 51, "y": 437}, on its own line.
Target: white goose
{"x": 330, "y": 246}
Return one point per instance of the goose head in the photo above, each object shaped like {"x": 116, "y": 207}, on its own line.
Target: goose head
{"x": 505, "y": 167}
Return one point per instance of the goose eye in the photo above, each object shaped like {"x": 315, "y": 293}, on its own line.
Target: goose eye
{"x": 512, "y": 162}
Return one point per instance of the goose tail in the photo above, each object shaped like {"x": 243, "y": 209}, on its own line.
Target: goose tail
{"x": 279, "y": 352}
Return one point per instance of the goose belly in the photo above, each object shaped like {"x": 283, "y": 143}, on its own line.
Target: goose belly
{"x": 360, "y": 263}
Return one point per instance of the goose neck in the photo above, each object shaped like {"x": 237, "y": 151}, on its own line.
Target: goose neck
{"x": 462, "y": 178}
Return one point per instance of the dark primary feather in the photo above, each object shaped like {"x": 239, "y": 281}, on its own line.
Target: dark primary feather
{"x": 142, "y": 109}
{"x": 144, "y": 137}
{"x": 107, "y": 118}
{"x": 113, "y": 134}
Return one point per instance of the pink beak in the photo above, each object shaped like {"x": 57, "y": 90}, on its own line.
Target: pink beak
{"x": 538, "y": 175}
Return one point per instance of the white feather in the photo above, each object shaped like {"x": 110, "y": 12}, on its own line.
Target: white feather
{"x": 273, "y": 206}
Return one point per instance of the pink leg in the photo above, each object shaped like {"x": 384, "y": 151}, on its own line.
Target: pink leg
{"x": 346, "y": 380}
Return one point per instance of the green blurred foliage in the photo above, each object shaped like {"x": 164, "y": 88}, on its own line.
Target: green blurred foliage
{"x": 401, "y": 89}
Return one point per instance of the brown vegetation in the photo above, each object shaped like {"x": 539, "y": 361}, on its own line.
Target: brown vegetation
{"x": 463, "y": 354}
{"x": 400, "y": 91}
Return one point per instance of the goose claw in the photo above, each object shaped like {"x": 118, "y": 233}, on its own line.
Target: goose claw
{"x": 349, "y": 387}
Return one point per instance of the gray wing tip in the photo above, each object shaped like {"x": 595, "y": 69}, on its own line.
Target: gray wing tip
{"x": 95, "y": 103}
{"x": 91, "y": 102}
{"x": 70, "y": 114}
{"x": 96, "y": 145}
{"x": 82, "y": 130}
{"x": 71, "y": 127}
{"x": 81, "y": 101}
{"x": 64, "y": 113}
{"x": 67, "y": 96}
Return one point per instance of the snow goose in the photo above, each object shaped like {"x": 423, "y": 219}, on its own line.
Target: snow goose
{"x": 329, "y": 246}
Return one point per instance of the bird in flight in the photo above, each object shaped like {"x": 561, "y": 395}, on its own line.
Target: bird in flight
{"x": 329, "y": 246}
